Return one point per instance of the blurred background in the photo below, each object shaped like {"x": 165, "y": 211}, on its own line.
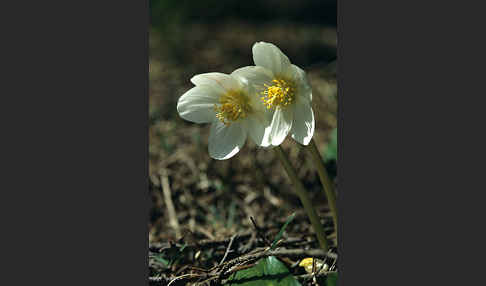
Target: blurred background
{"x": 194, "y": 196}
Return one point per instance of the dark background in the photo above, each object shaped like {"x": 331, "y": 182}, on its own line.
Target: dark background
{"x": 322, "y": 12}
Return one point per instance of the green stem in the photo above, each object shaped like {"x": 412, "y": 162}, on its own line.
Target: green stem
{"x": 327, "y": 185}
{"x": 304, "y": 198}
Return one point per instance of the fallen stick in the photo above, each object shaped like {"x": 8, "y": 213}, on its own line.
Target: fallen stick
{"x": 168, "y": 202}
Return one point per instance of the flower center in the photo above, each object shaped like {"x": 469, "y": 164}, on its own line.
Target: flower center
{"x": 280, "y": 93}
{"x": 233, "y": 106}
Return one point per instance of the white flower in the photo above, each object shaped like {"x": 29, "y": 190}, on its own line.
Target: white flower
{"x": 284, "y": 90}
{"x": 230, "y": 104}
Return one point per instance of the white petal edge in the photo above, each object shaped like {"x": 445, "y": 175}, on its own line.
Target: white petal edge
{"x": 254, "y": 75}
{"x": 197, "y": 104}
{"x": 255, "y": 78}
{"x": 258, "y": 130}
{"x": 219, "y": 81}
{"x": 270, "y": 56}
{"x": 281, "y": 125}
{"x": 303, "y": 124}
{"x": 300, "y": 78}
{"x": 225, "y": 141}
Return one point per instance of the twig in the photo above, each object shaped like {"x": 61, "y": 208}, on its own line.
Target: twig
{"x": 320, "y": 274}
{"x": 259, "y": 232}
{"x": 300, "y": 253}
{"x": 205, "y": 232}
{"x": 182, "y": 276}
{"x": 246, "y": 247}
{"x": 158, "y": 280}
{"x": 208, "y": 244}
{"x": 228, "y": 249}
{"x": 225, "y": 269}
{"x": 168, "y": 201}
{"x": 222, "y": 271}
{"x": 200, "y": 245}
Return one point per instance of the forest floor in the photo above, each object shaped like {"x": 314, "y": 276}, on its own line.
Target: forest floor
{"x": 211, "y": 218}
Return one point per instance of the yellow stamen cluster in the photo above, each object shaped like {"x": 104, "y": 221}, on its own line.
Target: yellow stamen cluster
{"x": 281, "y": 93}
{"x": 233, "y": 105}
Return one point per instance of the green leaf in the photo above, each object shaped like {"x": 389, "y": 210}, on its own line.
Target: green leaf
{"x": 280, "y": 233}
{"x": 331, "y": 150}
{"x": 267, "y": 272}
{"x": 162, "y": 260}
{"x": 182, "y": 248}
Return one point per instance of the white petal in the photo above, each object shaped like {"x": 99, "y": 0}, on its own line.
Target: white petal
{"x": 299, "y": 76}
{"x": 254, "y": 75}
{"x": 281, "y": 125}
{"x": 270, "y": 56}
{"x": 255, "y": 79}
{"x": 197, "y": 104}
{"x": 304, "y": 124}
{"x": 225, "y": 141}
{"x": 219, "y": 81}
{"x": 258, "y": 130}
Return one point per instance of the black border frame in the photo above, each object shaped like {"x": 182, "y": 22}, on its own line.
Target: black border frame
{"x": 75, "y": 171}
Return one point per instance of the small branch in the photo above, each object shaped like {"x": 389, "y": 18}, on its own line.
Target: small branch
{"x": 246, "y": 247}
{"x": 242, "y": 262}
{"x": 259, "y": 232}
{"x": 158, "y": 280}
{"x": 293, "y": 253}
{"x": 222, "y": 271}
{"x": 303, "y": 253}
{"x": 190, "y": 275}
{"x": 228, "y": 249}
{"x": 320, "y": 274}
{"x": 202, "y": 244}
{"x": 168, "y": 202}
